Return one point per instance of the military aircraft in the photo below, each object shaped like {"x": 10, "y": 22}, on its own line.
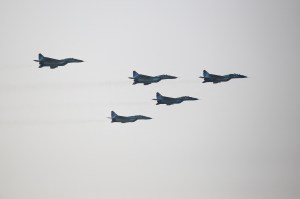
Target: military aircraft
{"x": 124, "y": 119}
{"x": 54, "y": 63}
{"x": 145, "y": 79}
{"x": 219, "y": 78}
{"x": 170, "y": 101}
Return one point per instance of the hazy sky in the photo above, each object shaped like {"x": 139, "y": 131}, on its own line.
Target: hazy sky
{"x": 240, "y": 141}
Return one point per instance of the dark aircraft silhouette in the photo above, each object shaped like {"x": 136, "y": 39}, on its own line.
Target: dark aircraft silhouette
{"x": 124, "y": 119}
{"x": 54, "y": 63}
{"x": 170, "y": 101}
{"x": 219, "y": 78}
{"x": 144, "y": 79}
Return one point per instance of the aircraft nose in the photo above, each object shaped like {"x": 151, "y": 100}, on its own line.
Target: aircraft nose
{"x": 240, "y": 76}
{"x": 171, "y": 77}
{"x": 168, "y": 77}
{"x": 76, "y": 60}
{"x": 145, "y": 117}
{"x": 193, "y": 98}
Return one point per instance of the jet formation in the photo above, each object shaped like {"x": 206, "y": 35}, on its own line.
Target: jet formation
{"x": 142, "y": 79}
{"x": 170, "y": 100}
{"x": 125, "y": 119}
{"x": 54, "y": 63}
{"x": 219, "y": 78}
{"x": 146, "y": 80}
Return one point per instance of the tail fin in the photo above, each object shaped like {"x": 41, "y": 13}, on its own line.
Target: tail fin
{"x": 158, "y": 95}
{"x": 134, "y": 74}
{"x": 205, "y": 74}
{"x": 113, "y": 114}
{"x": 41, "y": 57}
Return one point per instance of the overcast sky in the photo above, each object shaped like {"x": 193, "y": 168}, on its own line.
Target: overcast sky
{"x": 240, "y": 140}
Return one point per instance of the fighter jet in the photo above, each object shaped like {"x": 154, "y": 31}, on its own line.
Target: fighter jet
{"x": 170, "y": 101}
{"x": 219, "y": 78}
{"x": 54, "y": 63}
{"x": 145, "y": 79}
{"x": 124, "y": 119}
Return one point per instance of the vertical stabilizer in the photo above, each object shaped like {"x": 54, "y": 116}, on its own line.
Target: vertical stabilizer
{"x": 41, "y": 57}
{"x": 135, "y": 74}
{"x": 113, "y": 114}
{"x": 158, "y": 96}
{"x": 205, "y": 74}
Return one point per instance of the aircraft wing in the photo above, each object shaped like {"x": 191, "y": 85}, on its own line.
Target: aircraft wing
{"x": 52, "y": 67}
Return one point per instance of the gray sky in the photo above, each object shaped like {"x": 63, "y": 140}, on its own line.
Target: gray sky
{"x": 241, "y": 140}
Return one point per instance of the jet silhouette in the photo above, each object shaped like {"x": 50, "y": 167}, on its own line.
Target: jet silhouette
{"x": 219, "y": 78}
{"x": 124, "y": 119}
{"x": 170, "y": 101}
{"x": 54, "y": 63}
{"x": 145, "y": 79}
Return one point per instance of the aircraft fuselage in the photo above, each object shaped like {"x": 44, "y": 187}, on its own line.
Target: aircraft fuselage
{"x": 123, "y": 119}
{"x": 146, "y": 79}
